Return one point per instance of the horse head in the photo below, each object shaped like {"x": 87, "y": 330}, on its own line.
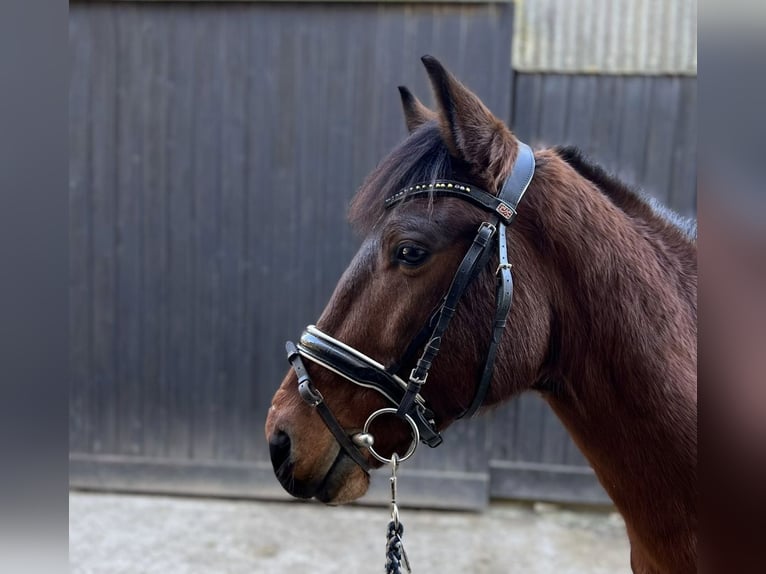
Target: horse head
{"x": 383, "y": 311}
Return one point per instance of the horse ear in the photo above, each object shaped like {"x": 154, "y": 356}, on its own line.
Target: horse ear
{"x": 415, "y": 113}
{"x": 471, "y": 131}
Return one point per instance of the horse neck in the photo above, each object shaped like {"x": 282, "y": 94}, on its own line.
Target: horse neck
{"x": 621, "y": 368}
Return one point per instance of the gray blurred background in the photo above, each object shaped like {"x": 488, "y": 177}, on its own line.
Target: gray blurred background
{"x": 214, "y": 147}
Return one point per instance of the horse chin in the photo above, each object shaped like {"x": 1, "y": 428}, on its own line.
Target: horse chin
{"x": 344, "y": 483}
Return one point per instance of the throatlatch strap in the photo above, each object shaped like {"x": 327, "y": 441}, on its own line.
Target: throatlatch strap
{"x": 314, "y": 398}
{"x": 504, "y": 298}
{"x": 512, "y": 192}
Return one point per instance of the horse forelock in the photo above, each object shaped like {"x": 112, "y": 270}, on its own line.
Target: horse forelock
{"x": 422, "y": 157}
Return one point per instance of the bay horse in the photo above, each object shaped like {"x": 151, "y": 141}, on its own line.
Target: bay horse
{"x": 603, "y": 323}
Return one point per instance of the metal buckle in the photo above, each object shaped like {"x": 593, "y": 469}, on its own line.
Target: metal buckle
{"x": 414, "y": 379}
{"x": 310, "y": 394}
{"x": 502, "y": 266}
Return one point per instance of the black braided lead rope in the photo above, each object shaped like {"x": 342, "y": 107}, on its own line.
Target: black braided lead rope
{"x": 395, "y": 550}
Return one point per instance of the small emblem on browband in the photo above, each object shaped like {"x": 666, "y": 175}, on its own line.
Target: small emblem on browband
{"x": 505, "y": 211}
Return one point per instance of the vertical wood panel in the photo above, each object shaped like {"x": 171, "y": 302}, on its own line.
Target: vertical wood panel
{"x": 640, "y": 128}
{"x": 229, "y": 369}
{"x": 661, "y": 141}
{"x": 683, "y": 188}
{"x": 582, "y": 113}
{"x": 156, "y": 97}
{"x": 606, "y": 128}
{"x": 103, "y": 126}
{"x": 129, "y": 227}
{"x": 634, "y": 116}
{"x": 206, "y": 191}
{"x": 80, "y": 242}
{"x": 554, "y": 97}
{"x": 180, "y": 311}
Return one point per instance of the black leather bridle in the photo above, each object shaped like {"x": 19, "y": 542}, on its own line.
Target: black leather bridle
{"x": 358, "y": 368}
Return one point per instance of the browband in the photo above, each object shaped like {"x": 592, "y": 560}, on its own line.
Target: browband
{"x": 503, "y": 204}
{"x": 445, "y": 188}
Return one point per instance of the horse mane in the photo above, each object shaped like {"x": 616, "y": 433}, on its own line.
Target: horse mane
{"x": 632, "y": 201}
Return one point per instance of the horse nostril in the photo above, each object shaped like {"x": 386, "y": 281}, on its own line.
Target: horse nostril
{"x": 279, "y": 448}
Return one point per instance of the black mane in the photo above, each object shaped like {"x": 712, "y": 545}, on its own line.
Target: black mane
{"x": 623, "y": 196}
{"x": 422, "y": 157}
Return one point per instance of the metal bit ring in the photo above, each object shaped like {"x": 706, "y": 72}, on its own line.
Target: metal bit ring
{"x": 415, "y": 435}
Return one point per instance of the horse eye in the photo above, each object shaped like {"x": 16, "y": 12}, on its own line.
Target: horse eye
{"x": 411, "y": 255}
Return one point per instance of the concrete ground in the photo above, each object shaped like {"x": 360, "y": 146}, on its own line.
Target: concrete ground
{"x": 116, "y": 534}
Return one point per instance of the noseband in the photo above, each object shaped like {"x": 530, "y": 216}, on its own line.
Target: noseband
{"x": 358, "y": 368}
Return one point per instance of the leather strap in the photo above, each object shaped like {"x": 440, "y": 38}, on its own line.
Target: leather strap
{"x": 512, "y": 191}
{"x": 503, "y": 209}
{"x": 314, "y": 398}
{"x": 473, "y": 262}
{"x": 521, "y": 175}
{"x": 504, "y": 298}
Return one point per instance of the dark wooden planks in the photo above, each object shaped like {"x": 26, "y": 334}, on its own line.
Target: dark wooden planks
{"x": 642, "y": 128}
{"x": 156, "y": 98}
{"x": 129, "y": 225}
{"x": 663, "y": 121}
{"x": 80, "y": 242}
{"x": 205, "y": 190}
{"x": 229, "y": 367}
{"x": 179, "y": 312}
{"x": 103, "y": 127}
{"x": 683, "y": 188}
{"x": 582, "y": 110}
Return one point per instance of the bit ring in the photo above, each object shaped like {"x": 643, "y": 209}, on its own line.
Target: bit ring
{"x": 415, "y": 435}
